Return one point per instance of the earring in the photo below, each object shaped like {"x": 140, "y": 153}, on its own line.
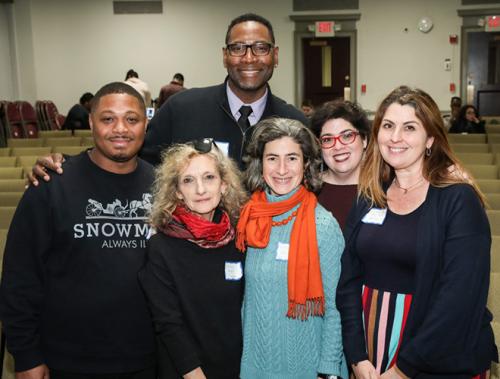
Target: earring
{"x": 428, "y": 151}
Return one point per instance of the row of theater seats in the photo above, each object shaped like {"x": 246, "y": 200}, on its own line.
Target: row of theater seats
{"x": 15, "y": 160}
{"x": 480, "y": 154}
{"x": 20, "y": 120}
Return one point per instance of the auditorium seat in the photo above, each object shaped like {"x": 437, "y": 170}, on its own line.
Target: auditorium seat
{"x": 7, "y": 161}
{"x": 55, "y": 133}
{"x": 26, "y": 160}
{"x": 28, "y": 118}
{"x": 11, "y": 172}
{"x": 489, "y": 186}
{"x": 495, "y": 255}
{"x": 467, "y": 138}
{"x": 70, "y": 150}
{"x": 13, "y": 123}
{"x": 470, "y": 148}
{"x": 483, "y": 171}
{"x": 38, "y": 151}
{"x": 10, "y": 199}
{"x": 494, "y": 218}
{"x": 476, "y": 158}
{"x": 12, "y": 185}
{"x": 24, "y": 142}
{"x": 6, "y": 214}
{"x": 493, "y": 138}
{"x": 83, "y": 133}
{"x": 493, "y": 200}
{"x": 4, "y": 151}
{"x": 89, "y": 141}
{"x": 63, "y": 141}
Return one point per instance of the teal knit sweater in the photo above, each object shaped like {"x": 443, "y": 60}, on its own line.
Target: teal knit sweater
{"x": 278, "y": 347}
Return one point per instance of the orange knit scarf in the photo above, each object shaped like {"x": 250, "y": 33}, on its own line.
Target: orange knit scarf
{"x": 305, "y": 288}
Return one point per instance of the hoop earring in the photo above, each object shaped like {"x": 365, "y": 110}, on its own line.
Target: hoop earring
{"x": 428, "y": 151}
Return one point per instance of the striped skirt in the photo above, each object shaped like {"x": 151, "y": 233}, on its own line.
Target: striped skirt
{"x": 384, "y": 317}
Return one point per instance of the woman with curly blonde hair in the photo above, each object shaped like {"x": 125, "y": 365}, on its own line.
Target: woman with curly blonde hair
{"x": 193, "y": 276}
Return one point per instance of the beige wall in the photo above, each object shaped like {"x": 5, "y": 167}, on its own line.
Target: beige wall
{"x": 65, "y": 48}
{"x": 388, "y": 56}
{"x": 81, "y": 45}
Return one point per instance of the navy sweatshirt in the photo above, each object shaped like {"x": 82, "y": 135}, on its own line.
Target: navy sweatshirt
{"x": 69, "y": 294}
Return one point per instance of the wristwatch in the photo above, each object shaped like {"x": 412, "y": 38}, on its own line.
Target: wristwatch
{"x": 327, "y": 376}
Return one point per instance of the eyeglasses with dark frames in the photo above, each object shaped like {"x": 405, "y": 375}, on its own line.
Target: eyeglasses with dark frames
{"x": 345, "y": 138}
{"x": 239, "y": 49}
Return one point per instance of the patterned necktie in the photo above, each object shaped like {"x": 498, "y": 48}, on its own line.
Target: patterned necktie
{"x": 243, "y": 121}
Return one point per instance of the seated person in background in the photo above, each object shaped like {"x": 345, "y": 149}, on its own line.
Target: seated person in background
{"x": 468, "y": 121}
{"x": 176, "y": 85}
{"x": 455, "y": 105}
{"x": 70, "y": 302}
{"x": 132, "y": 79}
{"x": 78, "y": 115}
{"x": 307, "y": 108}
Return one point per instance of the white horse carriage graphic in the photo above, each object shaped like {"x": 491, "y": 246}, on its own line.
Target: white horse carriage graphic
{"x": 95, "y": 209}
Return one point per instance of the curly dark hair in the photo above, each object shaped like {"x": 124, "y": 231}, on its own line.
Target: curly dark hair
{"x": 351, "y": 112}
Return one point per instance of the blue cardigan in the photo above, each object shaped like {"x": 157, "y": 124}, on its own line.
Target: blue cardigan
{"x": 278, "y": 347}
{"x": 448, "y": 330}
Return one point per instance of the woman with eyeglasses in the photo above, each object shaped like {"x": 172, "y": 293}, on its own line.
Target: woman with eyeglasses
{"x": 342, "y": 128}
{"x": 415, "y": 271}
{"x": 291, "y": 326}
{"x": 193, "y": 275}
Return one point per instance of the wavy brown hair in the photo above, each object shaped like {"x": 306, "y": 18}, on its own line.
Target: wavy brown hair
{"x": 165, "y": 187}
{"x": 275, "y": 128}
{"x": 441, "y": 168}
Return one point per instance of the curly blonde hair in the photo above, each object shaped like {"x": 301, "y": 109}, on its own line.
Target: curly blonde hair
{"x": 165, "y": 187}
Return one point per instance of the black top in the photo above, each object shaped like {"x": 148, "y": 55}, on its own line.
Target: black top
{"x": 204, "y": 112}
{"x": 195, "y": 295}
{"x": 77, "y": 118}
{"x": 448, "y": 331}
{"x": 388, "y": 252}
{"x": 69, "y": 295}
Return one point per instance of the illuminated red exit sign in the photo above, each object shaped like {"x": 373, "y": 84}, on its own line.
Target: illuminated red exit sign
{"x": 325, "y": 28}
{"x": 492, "y": 24}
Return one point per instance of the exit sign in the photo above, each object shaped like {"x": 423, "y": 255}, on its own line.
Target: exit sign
{"x": 325, "y": 29}
{"x": 492, "y": 24}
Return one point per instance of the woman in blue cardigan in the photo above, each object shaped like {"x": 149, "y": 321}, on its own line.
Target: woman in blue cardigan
{"x": 291, "y": 325}
{"x": 415, "y": 272}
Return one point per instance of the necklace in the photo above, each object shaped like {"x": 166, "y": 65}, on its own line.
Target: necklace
{"x": 395, "y": 181}
{"x": 284, "y": 221}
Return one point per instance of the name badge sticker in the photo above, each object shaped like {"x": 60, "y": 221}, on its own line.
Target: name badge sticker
{"x": 282, "y": 251}
{"x": 223, "y": 146}
{"x": 375, "y": 216}
{"x": 233, "y": 270}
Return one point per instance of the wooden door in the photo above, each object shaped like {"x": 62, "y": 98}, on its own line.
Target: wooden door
{"x": 326, "y": 63}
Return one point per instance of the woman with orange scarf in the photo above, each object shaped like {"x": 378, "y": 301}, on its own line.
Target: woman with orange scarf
{"x": 291, "y": 326}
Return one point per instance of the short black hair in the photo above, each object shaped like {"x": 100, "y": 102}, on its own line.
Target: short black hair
{"x": 131, "y": 74}
{"x": 349, "y": 111}
{"x": 250, "y": 17}
{"x": 117, "y": 87}
{"x": 179, "y": 77}
{"x": 86, "y": 97}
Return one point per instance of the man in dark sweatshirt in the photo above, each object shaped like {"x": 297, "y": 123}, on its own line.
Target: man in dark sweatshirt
{"x": 70, "y": 302}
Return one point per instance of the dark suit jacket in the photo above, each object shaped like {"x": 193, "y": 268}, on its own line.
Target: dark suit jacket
{"x": 204, "y": 112}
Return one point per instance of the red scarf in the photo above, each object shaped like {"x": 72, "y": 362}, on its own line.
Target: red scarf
{"x": 305, "y": 287}
{"x": 204, "y": 233}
